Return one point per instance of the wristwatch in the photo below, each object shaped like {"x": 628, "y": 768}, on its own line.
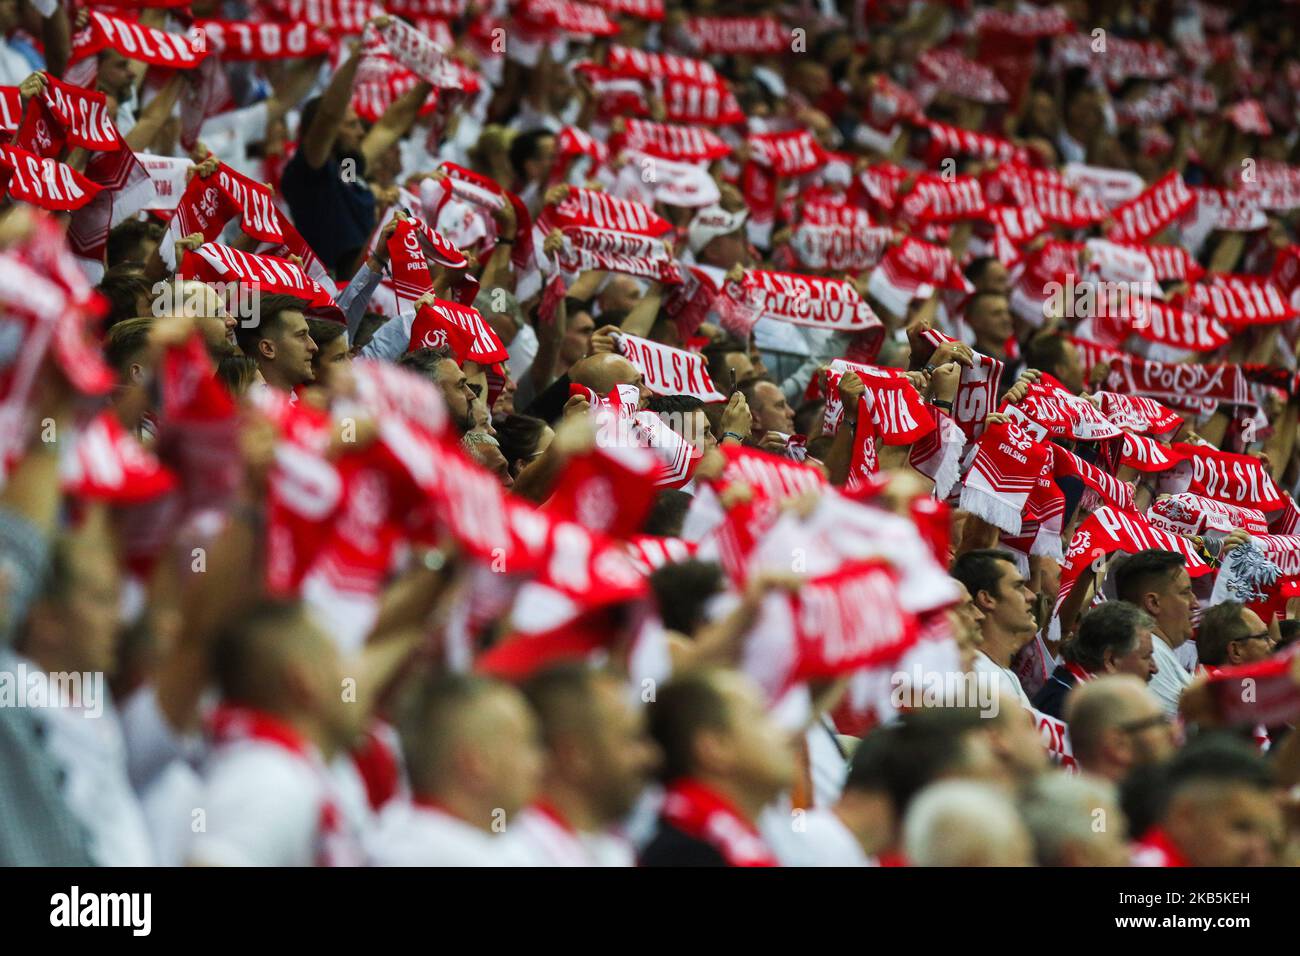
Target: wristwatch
{"x": 940, "y": 403}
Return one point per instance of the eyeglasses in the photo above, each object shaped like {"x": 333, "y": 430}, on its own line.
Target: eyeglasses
{"x": 1265, "y": 636}
{"x": 1146, "y": 723}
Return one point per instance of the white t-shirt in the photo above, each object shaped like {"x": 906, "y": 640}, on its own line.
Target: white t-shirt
{"x": 1007, "y": 681}
{"x": 91, "y": 751}
{"x": 408, "y": 834}
{"x": 820, "y": 838}
{"x": 264, "y": 805}
{"x": 1171, "y": 677}
{"x": 537, "y": 839}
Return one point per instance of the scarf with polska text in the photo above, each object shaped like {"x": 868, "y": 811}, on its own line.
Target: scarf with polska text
{"x": 1174, "y": 382}
{"x": 977, "y": 390}
{"x": 213, "y": 262}
{"x": 892, "y": 403}
{"x": 1107, "y": 531}
{"x": 1166, "y": 324}
{"x": 936, "y": 199}
{"x": 1153, "y": 210}
{"x": 832, "y": 635}
{"x": 1063, "y": 414}
{"x": 752, "y": 36}
{"x": 1045, "y": 190}
{"x": 135, "y": 41}
{"x": 65, "y": 115}
{"x": 340, "y": 16}
{"x": 1137, "y": 414}
{"x": 667, "y": 370}
{"x": 43, "y": 181}
{"x": 1148, "y": 455}
{"x": 483, "y": 345}
{"x": 408, "y": 247}
{"x": 1240, "y": 480}
{"x": 813, "y": 301}
{"x": 838, "y": 248}
{"x": 1003, "y": 472}
{"x": 683, "y": 144}
{"x": 795, "y": 153}
{"x": 710, "y": 104}
{"x": 641, "y": 429}
{"x": 210, "y": 202}
{"x": 1191, "y": 515}
{"x": 643, "y": 65}
{"x": 238, "y": 41}
{"x": 1241, "y": 299}
{"x": 946, "y": 140}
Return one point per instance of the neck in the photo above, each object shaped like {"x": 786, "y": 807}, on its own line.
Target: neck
{"x": 276, "y": 378}
{"x": 862, "y": 820}
{"x": 1174, "y": 644}
{"x": 749, "y": 804}
{"x": 571, "y": 805}
{"x": 1000, "y": 646}
{"x": 990, "y": 347}
{"x": 463, "y": 806}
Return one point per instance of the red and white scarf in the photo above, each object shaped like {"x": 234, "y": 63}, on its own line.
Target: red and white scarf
{"x": 210, "y": 202}
{"x": 737, "y": 35}
{"x": 1190, "y": 514}
{"x": 934, "y": 199}
{"x": 44, "y": 182}
{"x": 1148, "y": 455}
{"x": 135, "y": 41}
{"x": 839, "y": 248}
{"x": 977, "y": 390}
{"x": 1241, "y": 299}
{"x": 813, "y": 301}
{"x": 702, "y": 813}
{"x": 669, "y": 371}
{"x": 264, "y": 40}
{"x": 213, "y": 262}
{"x": 1153, "y": 211}
{"x": 1003, "y": 473}
{"x": 686, "y": 144}
{"x": 1135, "y": 413}
{"x": 833, "y": 635}
{"x": 1065, "y": 415}
{"x": 1235, "y": 479}
{"x": 946, "y": 140}
{"x": 478, "y": 340}
{"x": 343, "y": 16}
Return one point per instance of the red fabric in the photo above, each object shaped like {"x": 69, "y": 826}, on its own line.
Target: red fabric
{"x": 705, "y": 814}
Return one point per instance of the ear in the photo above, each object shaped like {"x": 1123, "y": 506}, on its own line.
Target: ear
{"x": 985, "y": 601}
{"x": 266, "y": 349}
{"x": 1108, "y": 659}
{"x": 136, "y": 373}
{"x": 1151, "y": 602}
{"x": 1234, "y": 652}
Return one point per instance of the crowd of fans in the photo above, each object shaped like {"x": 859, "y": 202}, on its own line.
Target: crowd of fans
{"x": 556, "y": 433}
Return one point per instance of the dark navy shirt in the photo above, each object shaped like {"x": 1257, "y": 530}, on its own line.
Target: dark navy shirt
{"x": 334, "y": 217}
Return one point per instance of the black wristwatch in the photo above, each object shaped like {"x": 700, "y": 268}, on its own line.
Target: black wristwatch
{"x": 940, "y": 403}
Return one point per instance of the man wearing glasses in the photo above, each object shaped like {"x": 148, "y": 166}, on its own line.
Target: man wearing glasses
{"x": 1232, "y": 634}
{"x": 1117, "y": 724}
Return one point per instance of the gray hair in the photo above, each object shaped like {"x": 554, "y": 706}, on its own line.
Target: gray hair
{"x": 964, "y": 823}
{"x": 1111, "y": 626}
{"x": 1061, "y": 809}
{"x": 479, "y": 438}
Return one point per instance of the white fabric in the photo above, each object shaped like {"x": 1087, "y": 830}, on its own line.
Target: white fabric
{"x": 819, "y": 838}
{"x": 537, "y": 839}
{"x": 1171, "y": 676}
{"x": 410, "y": 835}
{"x": 1006, "y": 681}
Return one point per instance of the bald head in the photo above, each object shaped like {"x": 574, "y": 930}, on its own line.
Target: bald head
{"x": 604, "y": 370}
{"x": 195, "y": 299}
{"x": 472, "y": 742}
{"x": 1116, "y": 723}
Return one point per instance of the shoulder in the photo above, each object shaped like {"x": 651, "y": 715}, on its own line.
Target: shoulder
{"x": 672, "y": 847}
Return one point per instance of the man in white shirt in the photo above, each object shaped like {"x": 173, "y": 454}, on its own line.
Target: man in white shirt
{"x": 279, "y": 342}
{"x": 1002, "y": 595}
{"x": 474, "y": 761}
{"x": 1158, "y": 583}
{"x": 269, "y": 796}
{"x": 598, "y": 759}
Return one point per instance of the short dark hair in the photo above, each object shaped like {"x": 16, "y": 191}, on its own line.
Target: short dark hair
{"x": 667, "y": 513}
{"x": 124, "y": 340}
{"x": 1045, "y": 351}
{"x": 682, "y": 588}
{"x": 518, "y": 436}
{"x": 323, "y": 331}
{"x": 524, "y": 147}
{"x": 979, "y": 570}
{"x": 123, "y": 289}
{"x": 1140, "y": 571}
{"x": 673, "y": 404}
{"x": 978, "y": 266}
{"x": 371, "y": 322}
{"x": 979, "y": 297}
{"x": 1219, "y": 627}
{"x": 240, "y": 649}
{"x": 126, "y": 236}
{"x": 425, "y": 362}
{"x": 904, "y": 757}
{"x": 428, "y": 720}
{"x": 562, "y": 697}
{"x": 1218, "y": 757}
{"x": 1289, "y": 629}
{"x": 1110, "y": 626}
{"x": 686, "y": 706}
{"x": 270, "y": 309}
